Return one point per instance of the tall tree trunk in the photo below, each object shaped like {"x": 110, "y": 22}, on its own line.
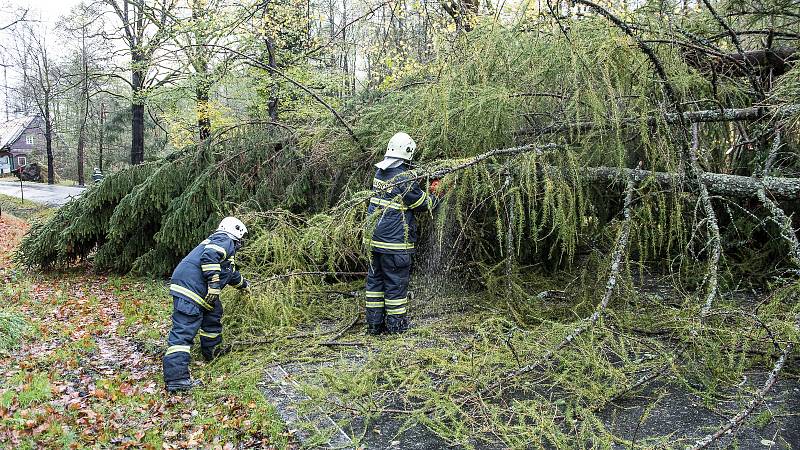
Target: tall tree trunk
{"x": 203, "y": 88}
{"x": 137, "y": 109}
{"x": 345, "y": 62}
{"x": 85, "y": 112}
{"x": 272, "y": 103}
{"x": 273, "y": 99}
{"x": 48, "y": 139}
{"x": 102, "y": 135}
{"x": 137, "y": 133}
{"x": 81, "y": 149}
{"x": 203, "y": 119}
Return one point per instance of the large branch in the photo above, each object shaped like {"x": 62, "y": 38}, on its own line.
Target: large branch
{"x": 777, "y": 60}
{"x": 721, "y": 184}
{"x": 742, "y": 62}
{"x": 710, "y": 115}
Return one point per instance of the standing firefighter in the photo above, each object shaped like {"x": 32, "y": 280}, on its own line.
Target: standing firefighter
{"x": 393, "y": 228}
{"x": 196, "y": 285}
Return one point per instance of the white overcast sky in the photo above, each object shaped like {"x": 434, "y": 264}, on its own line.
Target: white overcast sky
{"x": 47, "y": 10}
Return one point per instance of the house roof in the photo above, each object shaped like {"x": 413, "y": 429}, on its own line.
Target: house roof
{"x": 11, "y": 131}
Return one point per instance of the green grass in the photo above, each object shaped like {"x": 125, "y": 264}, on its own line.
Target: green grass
{"x": 27, "y": 389}
{"x": 26, "y": 210}
{"x": 13, "y": 328}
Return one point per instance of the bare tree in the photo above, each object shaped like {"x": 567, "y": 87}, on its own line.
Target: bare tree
{"x": 145, "y": 30}
{"x": 41, "y": 80}
{"x": 14, "y": 16}
{"x": 79, "y": 28}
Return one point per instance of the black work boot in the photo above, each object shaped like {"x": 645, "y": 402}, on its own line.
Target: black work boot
{"x": 374, "y": 329}
{"x": 183, "y": 385}
{"x": 398, "y": 325}
{"x": 216, "y": 352}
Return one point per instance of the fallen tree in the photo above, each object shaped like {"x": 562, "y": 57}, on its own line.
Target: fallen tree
{"x": 515, "y": 216}
{"x": 711, "y": 115}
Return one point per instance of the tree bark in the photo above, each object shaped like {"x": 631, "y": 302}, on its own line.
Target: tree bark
{"x": 712, "y": 115}
{"x": 48, "y": 138}
{"x": 137, "y": 108}
{"x": 102, "y": 136}
{"x": 776, "y": 61}
{"x": 272, "y": 105}
{"x": 203, "y": 119}
{"x": 137, "y": 133}
{"x": 84, "y": 112}
{"x": 81, "y": 151}
{"x": 200, "y": 62}
{"x": 735, "y": 186}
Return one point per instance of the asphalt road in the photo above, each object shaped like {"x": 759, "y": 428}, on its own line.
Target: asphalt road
{"x": 54, "y": 195}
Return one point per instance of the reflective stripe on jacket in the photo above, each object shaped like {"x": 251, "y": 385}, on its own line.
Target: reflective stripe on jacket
{"x": 212, "y": 261}
{"x": 391, "y": 210}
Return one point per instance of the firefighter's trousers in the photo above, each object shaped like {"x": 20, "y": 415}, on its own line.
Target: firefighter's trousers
{"x": 188, "y": 320}
{"x": 387, "y": 290}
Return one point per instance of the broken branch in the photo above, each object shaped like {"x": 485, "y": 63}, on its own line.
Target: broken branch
{"x": 711, "y": 115}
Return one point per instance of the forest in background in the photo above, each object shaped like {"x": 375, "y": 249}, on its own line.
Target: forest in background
{"x": 588, "y": 151}
{"x": 115, "y": 77}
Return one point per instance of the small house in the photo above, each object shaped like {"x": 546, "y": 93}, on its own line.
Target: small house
{"x": 19, "y": 139}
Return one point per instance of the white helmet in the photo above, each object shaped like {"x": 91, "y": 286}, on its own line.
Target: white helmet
{"x": 233, "y": 227}
{"x": 401, "y": 146}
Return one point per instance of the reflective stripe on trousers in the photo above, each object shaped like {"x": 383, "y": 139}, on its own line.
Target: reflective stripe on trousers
{"x": 189, "y": 320}
{"x": 387, "y": 288}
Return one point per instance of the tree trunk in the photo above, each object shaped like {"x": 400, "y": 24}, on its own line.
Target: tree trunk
{"x": 776, "y": 61}
{"x": 48, "y": 139}
{"x": 200, "y": 63}
{"x": 85, "y": 112}
{"x": 269, "y": 43}
{"x": 102, "y": 135}
{"x": 203, "y": 119}
{"x": 736, "y": 186}
{"x": 137, "y": 133}
{"x": 81, "y": 148}
{"x": 137, "y": 109}
{"x": 272, "y": 105}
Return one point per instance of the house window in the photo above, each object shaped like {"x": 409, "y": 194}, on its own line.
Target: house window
{"x": 29, "y": 139}
{"x": 21, "y": 160}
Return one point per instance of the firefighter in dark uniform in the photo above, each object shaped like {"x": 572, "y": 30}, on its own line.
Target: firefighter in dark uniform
{"x": 196, "y": 285}
{"x": 391, "y": 236}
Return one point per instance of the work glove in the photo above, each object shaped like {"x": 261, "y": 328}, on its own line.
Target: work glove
{"x": 246, "y": 288}
{"x": 436, "y": 187}
{"x": 213, "y": 294}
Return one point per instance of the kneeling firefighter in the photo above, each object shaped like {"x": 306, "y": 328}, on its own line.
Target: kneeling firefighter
{"x": 195, "y": 288}
{"x": 393, "y": 230}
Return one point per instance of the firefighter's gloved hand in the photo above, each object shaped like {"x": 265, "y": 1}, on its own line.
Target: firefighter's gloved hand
{"x": 213, "y": 294}
{"x": 246, "y": 288}
{"x": 436, "y": 187}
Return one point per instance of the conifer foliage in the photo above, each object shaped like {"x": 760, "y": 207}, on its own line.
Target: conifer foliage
{"x": 143, "y": 218}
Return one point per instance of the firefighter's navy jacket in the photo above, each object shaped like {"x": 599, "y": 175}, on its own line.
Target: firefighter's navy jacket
{"x": 211, "y": 262}
{"x": 394, "y": 200}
